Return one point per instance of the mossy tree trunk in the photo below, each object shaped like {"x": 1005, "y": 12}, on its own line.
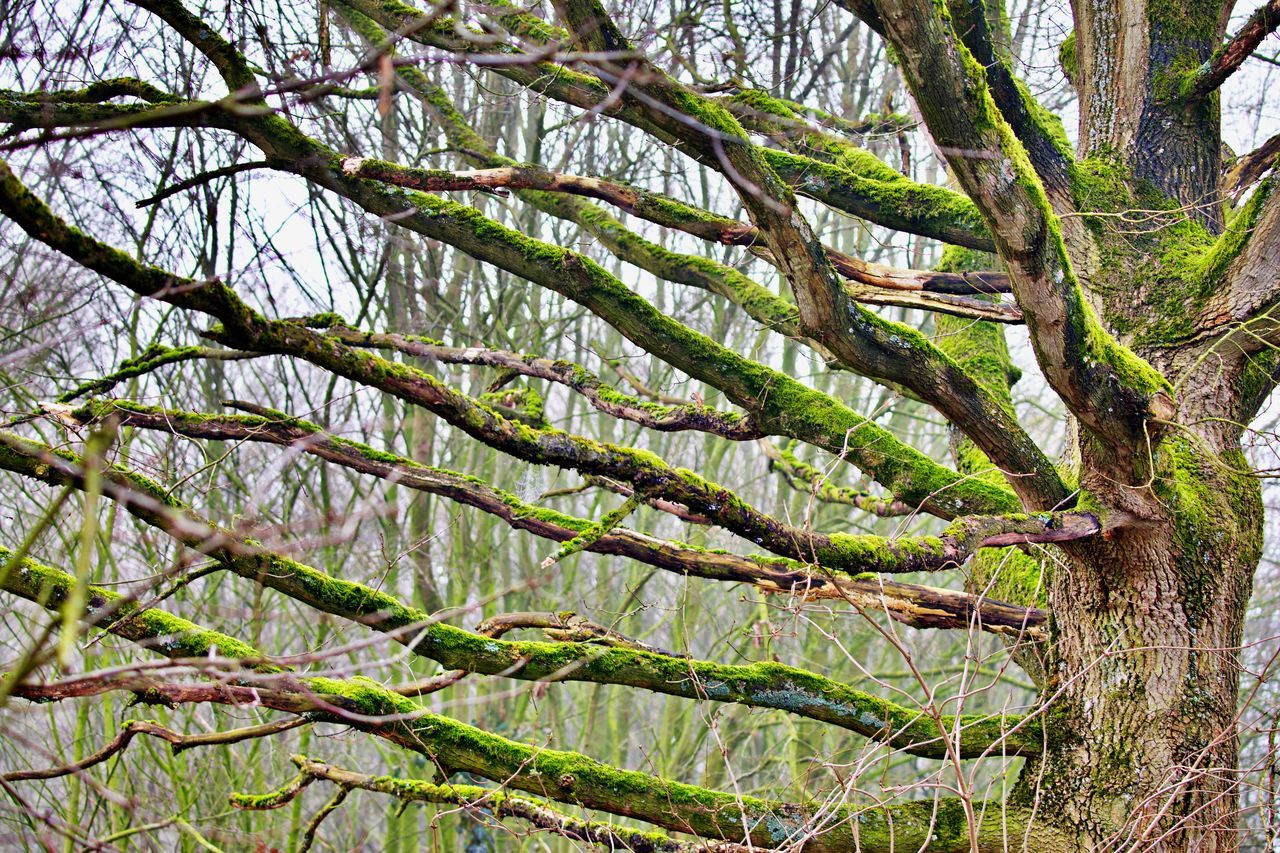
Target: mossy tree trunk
{"x": 1149, "y": 621}
{"x": 1143, "y": 668}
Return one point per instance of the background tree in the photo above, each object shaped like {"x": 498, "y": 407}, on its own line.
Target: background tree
{"x": 315, "y": 313}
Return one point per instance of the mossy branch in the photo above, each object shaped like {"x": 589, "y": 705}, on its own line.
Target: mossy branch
{"x": 604, "y": 398}
{"x": 763, "y": 685}
{"x": 922, "y": 607}
{"x": 983, "y": 29}
{"x": 651, "y": 476}
{"x": 574, "y": 778}
{"x": 672, "y": 213}
{"x": 151, "y": 359}
{"x": 882, "y": 196}
{"x": 110, "y": 611}
{"x": 1202, "y": 81}
{"x": 484, "y": 803}
{"x": 885, "y": 351}
{"x": 808, "y": 479}
{"x": 178, "y": 742}
{"x": 964, "y": 401}
{"x": 1113, "y": 392}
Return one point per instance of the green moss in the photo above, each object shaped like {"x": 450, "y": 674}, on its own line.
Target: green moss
{"x": 1215, "y": 502}
{"x": 1210, "y": 267}
{"x": 1067, "y": 59}
{"x": 160, "y": 631}
{"x": 866, "y": 187}
{"x": 764, "y": 103}
{"x": 1177, "y": 265}
{"x": 525, "y": 403}
{"x": 278, "y": 798}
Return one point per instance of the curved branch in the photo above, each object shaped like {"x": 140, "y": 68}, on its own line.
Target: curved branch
{"x": 805, "y": 478}
{"x": 1249, "y": 168}
{"x": 177, "y": 741}
{"x": 153, "y": 358}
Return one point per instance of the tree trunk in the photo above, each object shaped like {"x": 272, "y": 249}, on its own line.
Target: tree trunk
{"x": 1143, "y": 748}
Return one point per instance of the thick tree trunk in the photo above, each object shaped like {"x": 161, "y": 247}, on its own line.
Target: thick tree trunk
{"x": 1145, "y": 667}
{"x": 1131, "y": 55}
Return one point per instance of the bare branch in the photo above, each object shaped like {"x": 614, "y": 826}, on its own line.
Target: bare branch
{"x": 179, "y": 742}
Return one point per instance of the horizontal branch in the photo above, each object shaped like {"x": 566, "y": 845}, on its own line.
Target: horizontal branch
{"x": 97, "y": 92}
{"x": 923, "y": 607}
{"x": 151, "y": 359}
{"x": 761, "y": 685}
{"x": 483, "y": 803}
{"x": 670, "y": 213}
{"x": 454, "y": 747}
{"x": 649, "y": 474}
{"x": 605, "y": 398}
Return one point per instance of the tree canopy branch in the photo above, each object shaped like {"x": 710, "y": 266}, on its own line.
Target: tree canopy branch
{"x": 761, "y": 685}
{"x": 1110, "y": 389}
{"x": 918, "y": 606}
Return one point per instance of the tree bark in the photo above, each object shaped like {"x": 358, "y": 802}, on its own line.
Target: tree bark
{"x": 1144, "y": 662}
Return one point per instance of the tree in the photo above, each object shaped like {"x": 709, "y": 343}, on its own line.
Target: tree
{"x": 1143, "y": 264}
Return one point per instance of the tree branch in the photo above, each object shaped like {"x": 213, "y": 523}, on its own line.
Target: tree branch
{"x": 603, "y": 397}
{"x": 864, "y": 187}
{"x": 840, "y": 551}
{"x": 153, "y": 358}
{"x": 1111, "y": 390}
{"x": 762, "y": 685}
{"x": 177, "y": 741}
{"x": 1202, "y": 81}
{"x": 484, "y": 803}
{"x": 573, "y": 778}
{"x": 918, "y": 606}
{"x": 868, "y": 344}
{"x": 805, "y": 478}
{"x": 671, "y": 213}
